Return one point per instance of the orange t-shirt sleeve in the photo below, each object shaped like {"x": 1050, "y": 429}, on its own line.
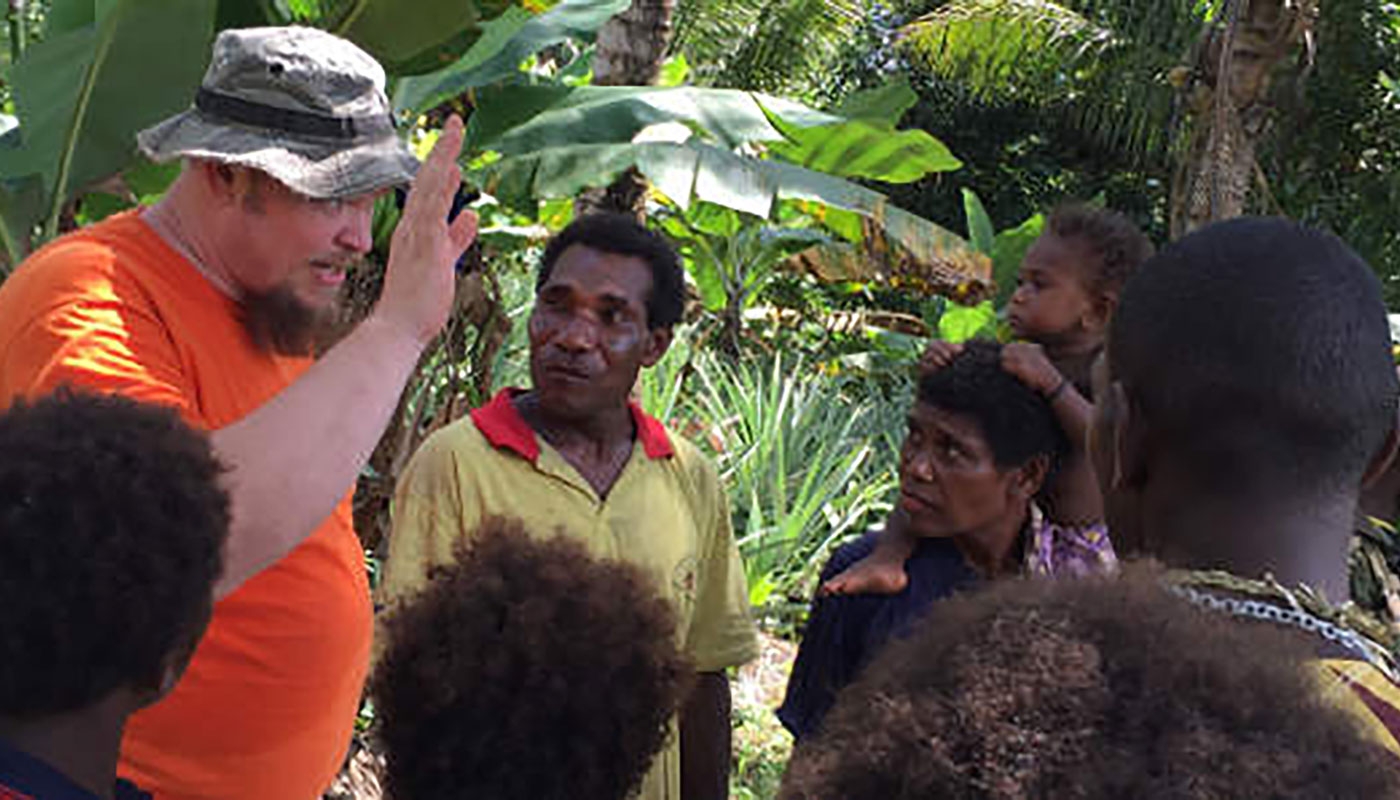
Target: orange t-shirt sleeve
{"x": 85, "y": 326}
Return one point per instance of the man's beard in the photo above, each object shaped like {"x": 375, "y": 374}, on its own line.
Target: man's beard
{"x": 279, "y": 322}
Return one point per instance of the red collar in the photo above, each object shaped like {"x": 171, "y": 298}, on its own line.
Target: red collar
{"x": 503, "y": 427}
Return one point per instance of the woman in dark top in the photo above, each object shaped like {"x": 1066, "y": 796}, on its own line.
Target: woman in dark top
{"x": 981, "y": 443}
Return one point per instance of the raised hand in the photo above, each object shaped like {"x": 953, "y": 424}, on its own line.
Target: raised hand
{"x": 1030, "y": 365}
{"x": 419, "y": 279}
{"x": 938, "y": 355}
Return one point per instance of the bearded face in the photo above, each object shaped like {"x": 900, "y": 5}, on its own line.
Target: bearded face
{"x": 279, "y": 322}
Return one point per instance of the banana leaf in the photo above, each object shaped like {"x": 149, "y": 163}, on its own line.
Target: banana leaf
{"x": 883, "y": 104}
{"x": 83, "y": 94}
{"x": 695, "y": 170}
{"x": 860, "y": 149}
{"x": 521, "y": 119}
{"x": 979, "y": 225}
{"x": 420, "y": 36}
{"x": 504, "y": 43}
{"x": 21, "y": 208}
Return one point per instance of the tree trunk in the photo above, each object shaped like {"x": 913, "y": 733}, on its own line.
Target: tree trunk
{"x": 1214, "y": 178}
{"x": 632, "y": 45}
{"x": 631, "y": 48}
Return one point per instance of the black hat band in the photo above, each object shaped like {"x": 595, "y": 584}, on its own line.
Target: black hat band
{"x": 303, "y": 123}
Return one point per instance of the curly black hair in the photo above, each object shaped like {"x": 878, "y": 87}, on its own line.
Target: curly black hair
{"x": 112, "y": 529}
{"x": 528, "y": 670}
{"x": 1094, "y": 688}
{"x": 623, "y": 235}
{"x": 1120, "y": 245}
{"x": 1015, "y": 419}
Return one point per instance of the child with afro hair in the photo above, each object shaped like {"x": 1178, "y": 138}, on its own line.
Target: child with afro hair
{"x": 528, "y": 670}
{"x": 112, "y": 529}
{"x": 1089, "y": 690}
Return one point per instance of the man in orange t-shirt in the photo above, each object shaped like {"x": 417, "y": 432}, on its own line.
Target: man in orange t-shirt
{"x": 209, "y": 302}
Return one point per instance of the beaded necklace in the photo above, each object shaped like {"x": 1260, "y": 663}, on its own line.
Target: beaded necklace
{"x": 1302, "y": 607}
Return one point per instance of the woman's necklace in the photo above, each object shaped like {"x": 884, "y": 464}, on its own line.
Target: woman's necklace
{"x": 1303, "y": 607}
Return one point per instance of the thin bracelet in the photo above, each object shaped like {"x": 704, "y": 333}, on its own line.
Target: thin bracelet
{"x": 1057, "y": 391}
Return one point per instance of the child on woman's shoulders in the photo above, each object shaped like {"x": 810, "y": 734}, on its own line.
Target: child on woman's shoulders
{"x": 1066, "y": 291}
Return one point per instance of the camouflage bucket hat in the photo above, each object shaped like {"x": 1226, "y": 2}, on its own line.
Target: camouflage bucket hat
{"x": 306, "y": 107}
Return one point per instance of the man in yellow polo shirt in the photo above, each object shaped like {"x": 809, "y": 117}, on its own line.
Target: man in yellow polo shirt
{"x": 573, "y": 456}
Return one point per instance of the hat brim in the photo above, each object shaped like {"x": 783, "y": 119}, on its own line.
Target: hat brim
{"x": 316, "y": 168}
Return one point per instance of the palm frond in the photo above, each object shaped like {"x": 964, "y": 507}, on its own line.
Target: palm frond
{"x": 1102, "y": 65}
{"x": 1007, "y": 47}
{"x": 778, "y": 46}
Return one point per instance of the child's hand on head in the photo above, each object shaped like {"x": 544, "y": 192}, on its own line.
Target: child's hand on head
{"x": 938, "y": 355}
{"x": 1029, "y": 364}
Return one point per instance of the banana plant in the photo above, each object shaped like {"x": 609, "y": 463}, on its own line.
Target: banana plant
{"x": 83, "y": 92}
{"x": 733, "y": 257}
{"x": 534, "y": 139}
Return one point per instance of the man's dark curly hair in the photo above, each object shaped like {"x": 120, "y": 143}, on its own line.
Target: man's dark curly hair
{"x": 528, "y": 670}
{"x": 112, "y": 529}
{"x": 1089, "y": 690}
{"x": 1015, "y": 419}
{"x": 1120, "y": 245}
{"x": 623, "y": 235}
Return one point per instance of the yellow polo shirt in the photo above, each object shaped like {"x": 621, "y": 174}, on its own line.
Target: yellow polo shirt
{"x": 666, "y": 513}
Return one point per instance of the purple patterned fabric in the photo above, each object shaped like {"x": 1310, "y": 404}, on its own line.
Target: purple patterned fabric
{"x": 1064, "y": 550}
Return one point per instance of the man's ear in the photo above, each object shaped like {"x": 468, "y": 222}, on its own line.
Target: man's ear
{"x": 1384, "y": 457}
{"x": 153, "y": 688}
{"x": 1131, "y": 443}
{"x": 230, "y": 184}
{"x": 657, "y": 343}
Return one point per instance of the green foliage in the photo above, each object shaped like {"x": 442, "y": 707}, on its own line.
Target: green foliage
{"x": 422, "y": 38}
{"x": 732, "y": 256}
{"x": 1100, "y": 65}
{"x": 1008, "y": 249}
{"x": 661, "y": 388}
{"x": 675, "y": 71}
{"x": 691, "y": 144}
{"x": 886, "y": 103}
{"x": 1333, "y": 160}
{"x": 1064, "y": 100}
{"x": 504, "y": 44}
{"x": 779, "y": 46}
{"x": 87, "y": 88}
{"x": 797, "y": 455}
{"x": 762, "y": 748}
{"x": 979, "y": 225}
{"x": 547, "y": 135}
{"x": 21, "y": 207}
{"x": 1023, "y": 159}
{"x": 515, "y": 119}
{"x": 960, "y": 323}
{"x": 859, "y": 148}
